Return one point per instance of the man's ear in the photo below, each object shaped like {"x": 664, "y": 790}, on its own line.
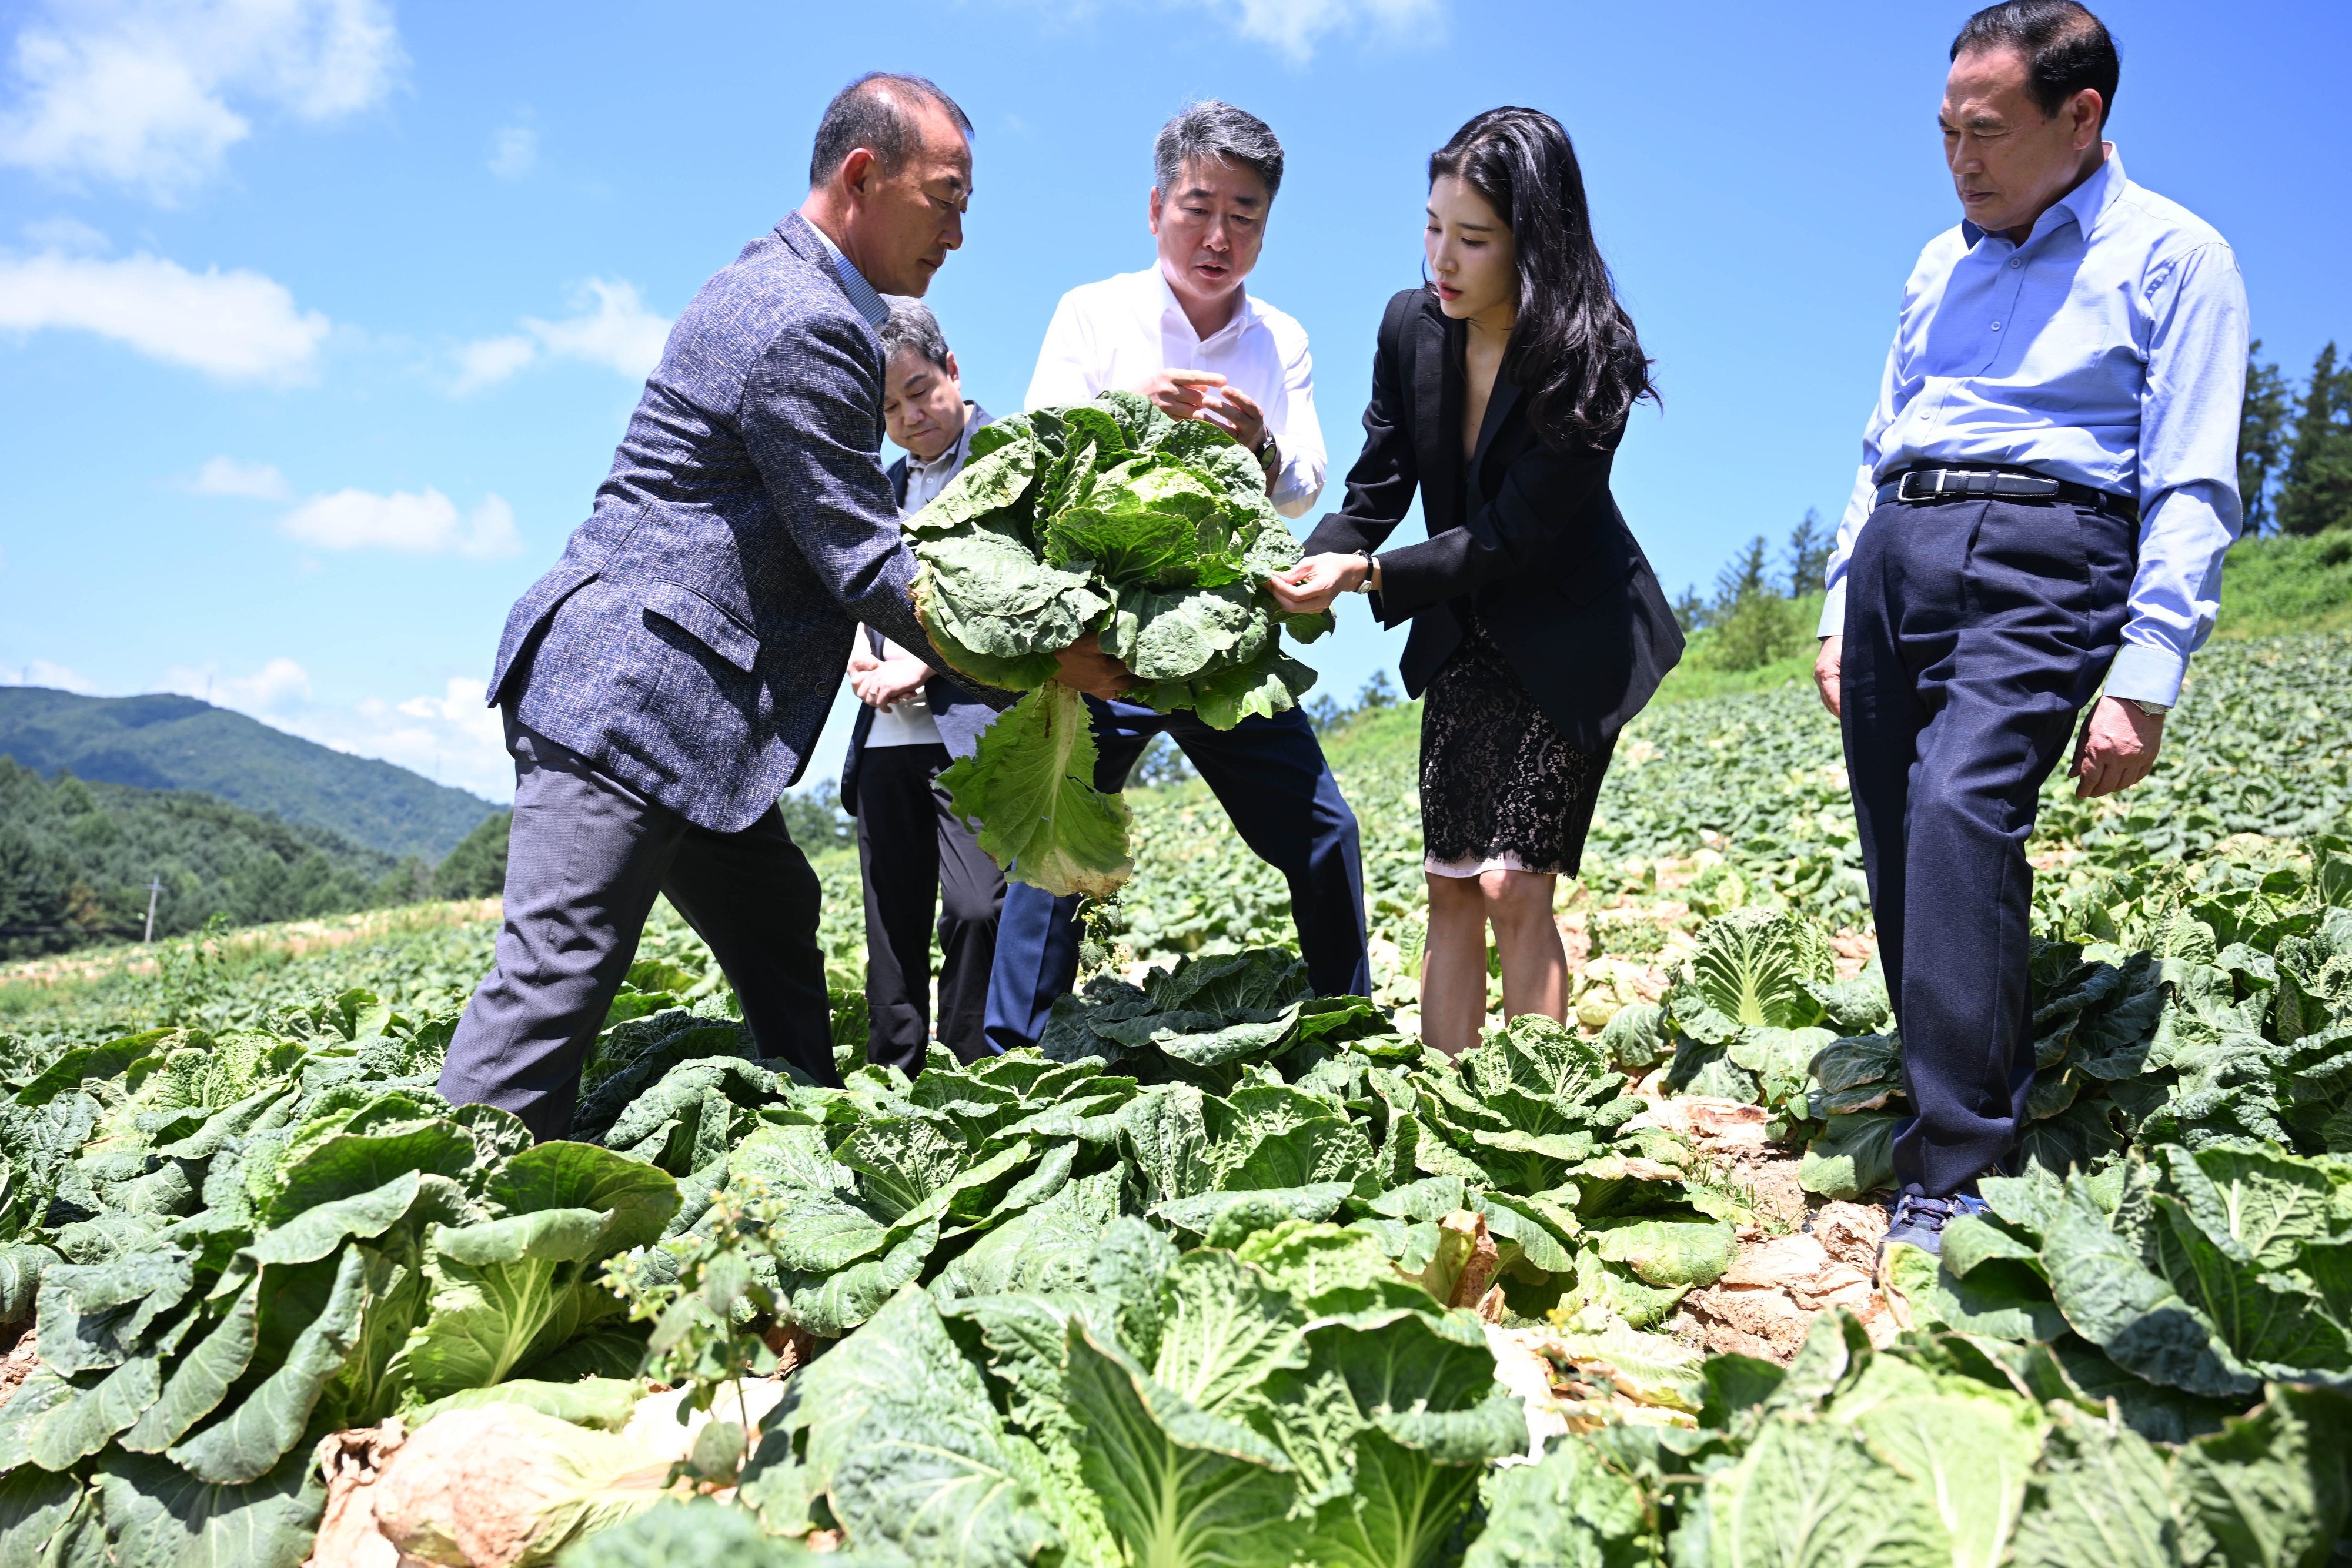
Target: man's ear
{"x": 1155, "y": 212}
{"x": 858, "y": 171}
{"x": 953, "y": 372}
{"x": 2086, "y": 108}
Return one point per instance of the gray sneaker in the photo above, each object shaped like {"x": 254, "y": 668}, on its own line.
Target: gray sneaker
{"x": 1920, "y": 1219}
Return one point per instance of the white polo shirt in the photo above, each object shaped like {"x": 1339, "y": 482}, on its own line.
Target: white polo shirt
{"x": 1118, "y": 332}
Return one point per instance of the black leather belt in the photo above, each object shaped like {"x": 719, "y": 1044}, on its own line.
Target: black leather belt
{"x": 1925, "y": 484}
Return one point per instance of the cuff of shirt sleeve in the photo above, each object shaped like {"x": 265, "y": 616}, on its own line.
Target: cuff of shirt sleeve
{"x": 2142, "y": 673}
{"x": 1833, "y": 611}
{"x": 1293, "y": 496}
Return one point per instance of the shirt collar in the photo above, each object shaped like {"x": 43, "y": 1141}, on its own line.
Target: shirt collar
{"x": 853, "y": 283}
{"x": 2086, "y": 201}
{"x": 2083, "y": 205}
{"x": 1171, "y": 305}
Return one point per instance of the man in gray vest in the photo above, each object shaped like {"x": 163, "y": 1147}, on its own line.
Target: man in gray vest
{"x": 665, "y": 681}
{"x": 915, "y": 855}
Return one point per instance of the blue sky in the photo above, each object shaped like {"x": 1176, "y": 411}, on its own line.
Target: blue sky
{"x": 319, "y": 319}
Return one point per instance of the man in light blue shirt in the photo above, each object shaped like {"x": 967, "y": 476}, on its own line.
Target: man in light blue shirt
{"x": 2048, "y": 485}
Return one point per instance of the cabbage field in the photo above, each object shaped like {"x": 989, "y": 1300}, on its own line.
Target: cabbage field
{"x": 1224, "y": 1273}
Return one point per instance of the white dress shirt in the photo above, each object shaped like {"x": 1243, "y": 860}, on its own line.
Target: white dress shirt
{"x": 2108, "y": 350}
{"x": 1116, "y": 332}
{"x": 909, "y": 721}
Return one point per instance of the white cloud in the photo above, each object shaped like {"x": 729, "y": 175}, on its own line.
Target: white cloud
{"x": 455, "y": 738}
{"x": 278, "y": 688}
{"x": 451, "y": 738}
{"x": 141, "y": 92}
{"x": 514, "y": 152}
{"x": 72, "y": 235}
{"x": 1295, "y": 26}
{"x": 234, "y": 326}
{"x": 41, "y": 672}
{"x": 488, "y": 360}
{"x": 619, "y": 333}
{"x": 421, "y": 524}
{"x": 250, "y": 481}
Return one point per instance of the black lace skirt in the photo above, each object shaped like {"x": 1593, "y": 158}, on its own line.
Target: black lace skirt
{"x": 1500, "y": 788}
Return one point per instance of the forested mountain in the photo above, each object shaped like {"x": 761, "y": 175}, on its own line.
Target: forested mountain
{"x": 77, "y": 861}
{"x": 166, "y": 742}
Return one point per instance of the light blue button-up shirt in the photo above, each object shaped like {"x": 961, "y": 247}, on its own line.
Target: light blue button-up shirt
{"x": 2109, "y": 348}
{"x": 862, "y": 294}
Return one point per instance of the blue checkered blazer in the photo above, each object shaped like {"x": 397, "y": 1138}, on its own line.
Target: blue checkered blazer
{"x": 691, "y": 640}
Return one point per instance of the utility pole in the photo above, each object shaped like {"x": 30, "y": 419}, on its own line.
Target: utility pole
{"x": 154, "y": 891}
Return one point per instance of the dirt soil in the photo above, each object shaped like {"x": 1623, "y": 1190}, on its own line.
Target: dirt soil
{"x": 1804, "y": 1255}
{"x": 19, "y": 1353}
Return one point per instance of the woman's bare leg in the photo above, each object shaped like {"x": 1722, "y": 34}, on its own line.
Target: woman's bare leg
{"x": 1534, "y": 964}
{"x": 1454, "y": 965}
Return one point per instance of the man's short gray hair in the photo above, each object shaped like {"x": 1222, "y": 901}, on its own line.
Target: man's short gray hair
{"x": 912, "y": 326}
{"x": 1220, "y": 133}
{"x": 877, "y": 112}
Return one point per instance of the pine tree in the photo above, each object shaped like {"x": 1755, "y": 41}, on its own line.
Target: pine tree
{"x": 1809, "y": 555}
{"x": 1751, "y": 624}
{"x": 1690, "y": 610}
{"x": 1746, "y": 575}
{"x": 2315, "y": 488}
{"x": 2262, "y": 438}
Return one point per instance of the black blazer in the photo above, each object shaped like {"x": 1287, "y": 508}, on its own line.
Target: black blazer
{"x": 1544, "y": 555}
{"x": 959, "y": 714}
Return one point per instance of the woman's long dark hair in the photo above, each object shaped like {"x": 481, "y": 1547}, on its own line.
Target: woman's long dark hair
{"x": 1573, "y": 350}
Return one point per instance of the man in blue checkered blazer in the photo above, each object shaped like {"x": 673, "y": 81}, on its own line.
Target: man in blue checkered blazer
{"x": 666, "y": 679}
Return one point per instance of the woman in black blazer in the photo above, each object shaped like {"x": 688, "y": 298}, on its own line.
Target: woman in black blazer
{"x": 1499, "y": 393}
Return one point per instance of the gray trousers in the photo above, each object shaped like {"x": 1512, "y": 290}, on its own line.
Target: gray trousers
{"x": 585, "y": 859}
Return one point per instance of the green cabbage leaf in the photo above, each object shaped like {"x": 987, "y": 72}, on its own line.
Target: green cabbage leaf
{"x": 1111, "y": 519}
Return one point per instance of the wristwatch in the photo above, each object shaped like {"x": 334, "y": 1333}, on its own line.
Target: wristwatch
{"x": 1269, "y": 454}
{"x": 1364, "y": 585}
{"x": 2153, "y": 710}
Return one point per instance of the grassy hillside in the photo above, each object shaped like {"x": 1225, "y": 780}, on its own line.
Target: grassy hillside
{"x": 1755, "y": 783}
{"x": 1743, "y": 792}
{"x": 166, "y": 742}
{"x": 2274, "y": 586}
{"x": 1709, "y": 803}
{"x": 1750, "y": 770}
{"x": 2270, "y": 588}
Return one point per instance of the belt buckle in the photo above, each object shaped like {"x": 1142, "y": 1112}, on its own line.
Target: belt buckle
{"x": 1903, "y": 486}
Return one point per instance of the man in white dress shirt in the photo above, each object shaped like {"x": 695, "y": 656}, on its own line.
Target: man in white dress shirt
{"x": 1187, "y": 334}
{"x": 915, "y": 856}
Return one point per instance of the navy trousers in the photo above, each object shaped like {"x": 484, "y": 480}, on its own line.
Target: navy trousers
{"x": 1975, "y": 632}
{"x": 917, "y": 857}
{"x": 1270, "y": 777}
{"x": 585, "y": 859}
